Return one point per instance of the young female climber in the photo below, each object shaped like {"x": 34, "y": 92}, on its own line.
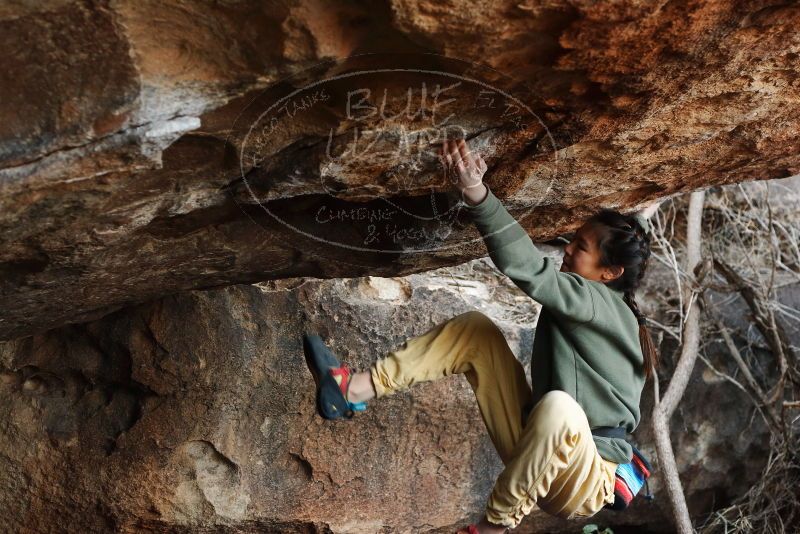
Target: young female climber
{"x": 591, "y": 357}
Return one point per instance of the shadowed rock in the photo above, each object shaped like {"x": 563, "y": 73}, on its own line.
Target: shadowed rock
{"x": 196, "y": 414}
{"x": 127, "y": 172}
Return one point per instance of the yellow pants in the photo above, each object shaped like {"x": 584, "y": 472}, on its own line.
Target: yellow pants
{"x": 550, "y": 459}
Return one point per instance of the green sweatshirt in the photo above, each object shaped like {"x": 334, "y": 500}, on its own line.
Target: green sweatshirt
{"x": 587, "y": 338}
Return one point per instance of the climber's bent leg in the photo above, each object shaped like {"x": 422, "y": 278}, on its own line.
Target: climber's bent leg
{"x": 472, "y": 344}
{"x": 555, "y": 466}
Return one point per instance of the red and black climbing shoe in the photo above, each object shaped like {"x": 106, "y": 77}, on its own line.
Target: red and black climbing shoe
{"x": 332, "y": 380}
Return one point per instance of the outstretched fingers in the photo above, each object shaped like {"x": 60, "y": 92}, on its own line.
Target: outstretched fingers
{"x": 462, "y": 165}
{"x": 463, "y": 151}
{"x": 446, "y": 156}
{"x": 480, "y": 164}
{"x": 455, "y": 154}
{"x": 450, "y": 158}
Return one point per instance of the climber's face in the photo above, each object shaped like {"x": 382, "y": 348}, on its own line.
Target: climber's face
{"x": 582, "y": 256}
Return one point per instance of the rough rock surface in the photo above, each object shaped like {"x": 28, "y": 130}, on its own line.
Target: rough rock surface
{"x": 194, "y": 413}
{"x": 123, "y": 132}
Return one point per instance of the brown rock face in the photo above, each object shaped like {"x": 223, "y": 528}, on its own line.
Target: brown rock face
{"x": 195, "y": 413}
{"x": 139, "y": 155}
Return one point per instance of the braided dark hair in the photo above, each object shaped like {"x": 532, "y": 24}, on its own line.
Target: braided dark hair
{"x": 623, "y": 241}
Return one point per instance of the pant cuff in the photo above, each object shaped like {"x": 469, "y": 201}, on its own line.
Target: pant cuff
{"x": 381, "y": 389}
{"x": 503, "y": 520}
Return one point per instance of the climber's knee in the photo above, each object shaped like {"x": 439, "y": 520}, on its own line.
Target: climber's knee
{"x": 557, "y": 409}
{"x": 475, "y": 316}
{"x": 478, "y": 319}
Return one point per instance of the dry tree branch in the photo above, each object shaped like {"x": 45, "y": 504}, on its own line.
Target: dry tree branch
{"x": 774, "y": 251}
{"x": 671, "y": 261}
{"x": 739, "y": 385}
{"x": 666, "y": 329}
{"x": 773, "y": 503}
{"x": 770, "y": 417}
{"x": 665, "y": 407}
{"x": 764, "y": 320}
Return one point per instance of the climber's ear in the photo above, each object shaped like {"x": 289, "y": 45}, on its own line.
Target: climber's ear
{"x": 612, "y": 273}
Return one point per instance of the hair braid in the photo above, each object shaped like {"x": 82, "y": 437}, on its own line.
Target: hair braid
{"x": 643, "y": 245}
{"x": 630, "y": 300}
{"x": 626, "y": 243}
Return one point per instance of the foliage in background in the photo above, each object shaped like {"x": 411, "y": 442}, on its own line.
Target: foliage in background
{"x": 750, "y": 250}
{"x": 594, "y": 529}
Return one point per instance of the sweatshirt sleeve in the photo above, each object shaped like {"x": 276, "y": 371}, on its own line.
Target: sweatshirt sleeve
{"x": 514, "y": 254}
